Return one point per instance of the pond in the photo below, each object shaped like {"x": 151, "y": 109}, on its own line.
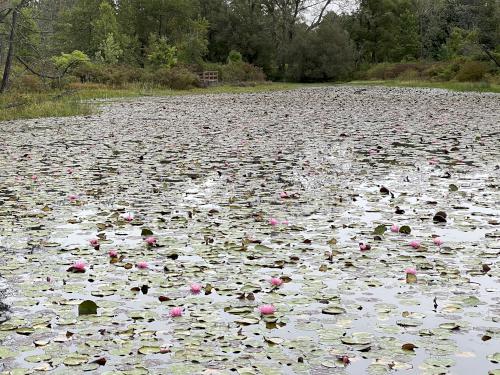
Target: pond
{"x": 334, "y": 230}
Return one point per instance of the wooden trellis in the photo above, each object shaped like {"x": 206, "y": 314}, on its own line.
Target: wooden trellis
{"x": 209, "y": 77}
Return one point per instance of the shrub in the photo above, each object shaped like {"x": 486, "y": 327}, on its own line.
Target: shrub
{"x": 115, "y": 75}
{"x": 237, "y": 72}
{"x": 442, "y": 71}
{"x": 471, "y": 71}
{"x": 376, "y": 72}
{"x": 234, "y": 57}
{"x": 242, "y": 72}
{"x": 28, "y": 83}
{"x": 178, "y": 78}
{"x": 409, "y": 75}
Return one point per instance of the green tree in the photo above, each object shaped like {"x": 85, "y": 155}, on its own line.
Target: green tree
{"x": 75, "y": 28}
{"x": 109, "y": 51}
{"x": 66, "y": 62}
{"x": 161, "y": 53}
{"x": 105, "y": 32}
{"x": 323, "y": 54}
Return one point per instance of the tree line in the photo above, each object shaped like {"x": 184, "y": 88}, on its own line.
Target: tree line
{"x": 295, "y": 40}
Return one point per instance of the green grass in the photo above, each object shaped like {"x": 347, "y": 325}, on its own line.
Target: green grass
{"x": 34, "y": 105}
{"x": 452, "y": 86}
{"x": 137, "y": 91}
{"x": 14, "y": 106}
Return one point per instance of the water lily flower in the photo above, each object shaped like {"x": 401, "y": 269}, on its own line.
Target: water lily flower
{"x": 345, "y": 360}
{"x": 69, "y": 170}
{"x": 79, "y": 266}
{"x": 142, "y": 265}
{"x": 175, "y": 312}
{"x": 395, "y": 228}
{"x": 129, "y": 216}
{"x": 411, "y": 271}
{"x": 433, "y": 161}
{"x": 195, "y": 288}
{"x": 94, "y": 242}
{"x": 113, "y": 254}
{"x": 284, "y": 194}
{"x": 150, "y": 241}
{"x": 273, "y": 221}
{"x": 276, "y": 281}
{"x": 72, "y": 197}
{"x": 285, "y": 222}
{"x": 415, "y": 244}
{"x": 438, "y": 241}
{"x": 364, "y": 247}
{"x": 267, "y": 309}
{"x": 34, "y": 177}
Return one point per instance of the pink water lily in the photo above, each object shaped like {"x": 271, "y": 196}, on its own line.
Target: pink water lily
{"x": 129, "y": 216}
{"x": 113, "y": 253}
{"x": 284, "y": 194}
{"x": 395, "y": 228}
{"x": 72, "y": 197}
{"x": 411, "y": 271}
{"x": 195, "y": 288}
{"x": 438, "y": 241}
{"x": 345, "y": 360}
{"x": 142, "y": 265}
{"x": 267, "y": 309}
{"x": 276, "y": 281}
{"x": 364, "y": 246}
{"x": 79, "y": 266}
{"x": 94, "y": 242}
{"x": 273, "y": 221}
{"x": 34, "y": 177}
{"x": 150, "y": 241}
{"x": 415, "y": 244}
{"x": 175, "y": 312}
{"x": 69, "y": 170}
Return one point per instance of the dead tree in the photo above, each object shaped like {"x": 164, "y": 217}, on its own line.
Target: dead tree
{"x": 11, "y": 44}
{"x": 10, "y": 53}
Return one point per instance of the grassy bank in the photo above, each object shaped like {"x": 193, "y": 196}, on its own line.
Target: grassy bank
{"x": 452, "y": 86}
{"x": 77, "y": 101}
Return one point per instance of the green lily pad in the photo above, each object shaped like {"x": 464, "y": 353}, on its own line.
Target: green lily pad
{"x": 75, "y": 360}
{"x": 87, "y": 308}
{"x": 149, "y": 350}
{"x": 333, "y": 310}
{"x": 495, "y": 357}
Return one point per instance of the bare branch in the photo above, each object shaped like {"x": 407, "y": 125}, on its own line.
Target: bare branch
{"x": 319, "y": 18}
{"x": 43, "y": 75}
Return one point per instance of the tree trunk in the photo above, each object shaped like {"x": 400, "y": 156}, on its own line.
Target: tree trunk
{"x": 10, "y": 53}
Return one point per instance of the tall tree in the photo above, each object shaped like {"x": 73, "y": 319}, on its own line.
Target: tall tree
{"x": 15, "y": 11}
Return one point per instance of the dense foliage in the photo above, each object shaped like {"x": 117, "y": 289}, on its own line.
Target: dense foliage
{"x": 296, "y": 40}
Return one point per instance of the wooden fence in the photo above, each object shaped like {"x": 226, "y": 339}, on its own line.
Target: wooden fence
{"x": 210, "y": 77}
